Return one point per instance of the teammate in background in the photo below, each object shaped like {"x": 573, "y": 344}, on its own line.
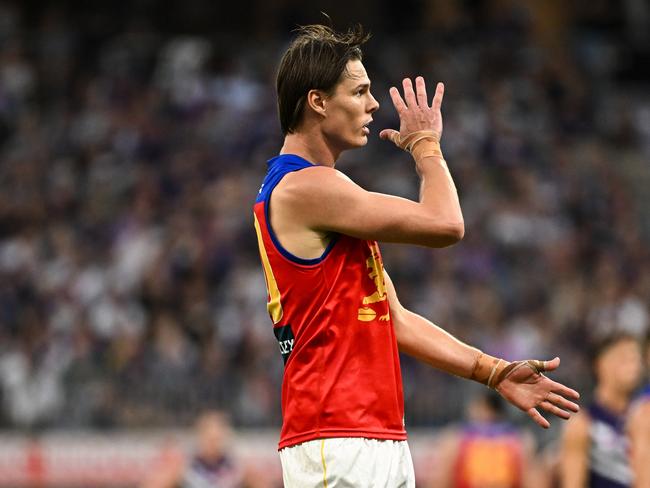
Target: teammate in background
{"x": 210, "y": 466}
{"x": 639, "y": 430}
{"x": 335, "y": 311}
{"x": 487, "y": 452}
{"x": 595, "y": 449}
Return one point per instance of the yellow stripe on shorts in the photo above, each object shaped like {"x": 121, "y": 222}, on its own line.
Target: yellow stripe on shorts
{"x": 322, "y": 457}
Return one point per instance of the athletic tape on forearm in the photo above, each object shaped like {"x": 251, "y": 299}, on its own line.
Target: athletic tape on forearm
{"x": 492, "y": 371}
{"x": 487, "y": 369}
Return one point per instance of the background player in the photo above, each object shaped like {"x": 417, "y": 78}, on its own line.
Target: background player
{"x": 594, "y": 450}
{"x": 211, "y": 464}
{"x": 639, "y": 430}
{"x": 335, "y": 311}
{"x": 486, "y": 452}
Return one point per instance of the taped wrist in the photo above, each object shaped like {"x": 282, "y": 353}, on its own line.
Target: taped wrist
{"x": 421, "y": 144}
{"x": 489, "y": 370}
{"x": 492, "y": 371}
{"x": 538, "y": 367}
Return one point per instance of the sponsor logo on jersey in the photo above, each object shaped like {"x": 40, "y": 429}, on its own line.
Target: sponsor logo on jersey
{"x": 285, "y": 338}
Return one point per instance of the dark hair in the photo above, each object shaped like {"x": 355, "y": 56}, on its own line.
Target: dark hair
{"x": 315, "y": 60}
{"x": 494, "y": 402}
{"x": 600, "y": 344}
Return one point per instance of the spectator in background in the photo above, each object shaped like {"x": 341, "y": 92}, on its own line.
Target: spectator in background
{"x": 487, "y": 451}
{"x": 595, "y": 448}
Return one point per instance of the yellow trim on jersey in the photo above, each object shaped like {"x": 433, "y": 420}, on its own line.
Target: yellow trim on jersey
{"x": 322, "y": 457}
{"x": 273, "y": 305}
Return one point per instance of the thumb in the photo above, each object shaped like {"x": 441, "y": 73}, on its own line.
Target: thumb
{"x": 390, "y": 135}
{"x": 552, "y": 364}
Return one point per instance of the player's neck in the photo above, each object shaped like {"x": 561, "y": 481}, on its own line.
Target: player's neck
{"x": 310, "y": 146}
{"x": 612, "y": 398}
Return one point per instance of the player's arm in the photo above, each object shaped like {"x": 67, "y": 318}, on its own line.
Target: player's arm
{"x": 521, "y": 383}
{"x": 574, "y": 455}
{"x": 639, "y": 432}
{"x": 323, "y": 199}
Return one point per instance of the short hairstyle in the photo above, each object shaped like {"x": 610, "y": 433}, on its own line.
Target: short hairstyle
{"x": 602, "y": 343}
{"x": 315, "y": 60}
{"x": 492, "y": 400}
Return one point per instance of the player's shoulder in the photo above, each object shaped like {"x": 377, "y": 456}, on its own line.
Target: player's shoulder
{"x": 316, "y": 173}
{"x": 312, "y": 182}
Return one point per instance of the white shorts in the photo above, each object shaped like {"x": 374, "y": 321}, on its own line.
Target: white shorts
{"x": 348, "y": 462}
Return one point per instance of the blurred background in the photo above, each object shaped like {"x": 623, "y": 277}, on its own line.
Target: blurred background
{"x": 133, "y": 140}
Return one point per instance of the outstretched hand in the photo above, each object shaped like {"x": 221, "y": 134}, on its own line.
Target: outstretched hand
{"x": 528, "y": 389}
{"x": 415, "y": 114}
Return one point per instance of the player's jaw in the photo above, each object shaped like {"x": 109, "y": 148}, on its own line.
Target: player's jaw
{"x": 353, "y": 134}
{"x": 348, "y": 131}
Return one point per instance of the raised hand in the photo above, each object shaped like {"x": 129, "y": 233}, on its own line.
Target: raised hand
{"x": 415, "y": 114}
{"x": 523, "y": 384}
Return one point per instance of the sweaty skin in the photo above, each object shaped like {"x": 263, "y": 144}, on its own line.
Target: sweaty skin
{"x": 308, "y": 207}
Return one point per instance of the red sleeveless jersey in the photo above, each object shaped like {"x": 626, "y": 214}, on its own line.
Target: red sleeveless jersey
{"x": 331, "y": 319}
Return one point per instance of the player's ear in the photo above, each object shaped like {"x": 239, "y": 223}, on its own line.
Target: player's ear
{"x": 316, "y": 101}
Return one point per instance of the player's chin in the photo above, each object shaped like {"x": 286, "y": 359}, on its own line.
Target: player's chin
{"x": 361, "y": 141}
{"x": 354, "y": 142}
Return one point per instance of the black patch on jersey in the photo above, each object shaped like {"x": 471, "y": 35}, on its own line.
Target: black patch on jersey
{"x": 285, "y": 338}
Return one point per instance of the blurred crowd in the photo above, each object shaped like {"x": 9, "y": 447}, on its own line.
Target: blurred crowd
{"x": 131, "y": 292}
